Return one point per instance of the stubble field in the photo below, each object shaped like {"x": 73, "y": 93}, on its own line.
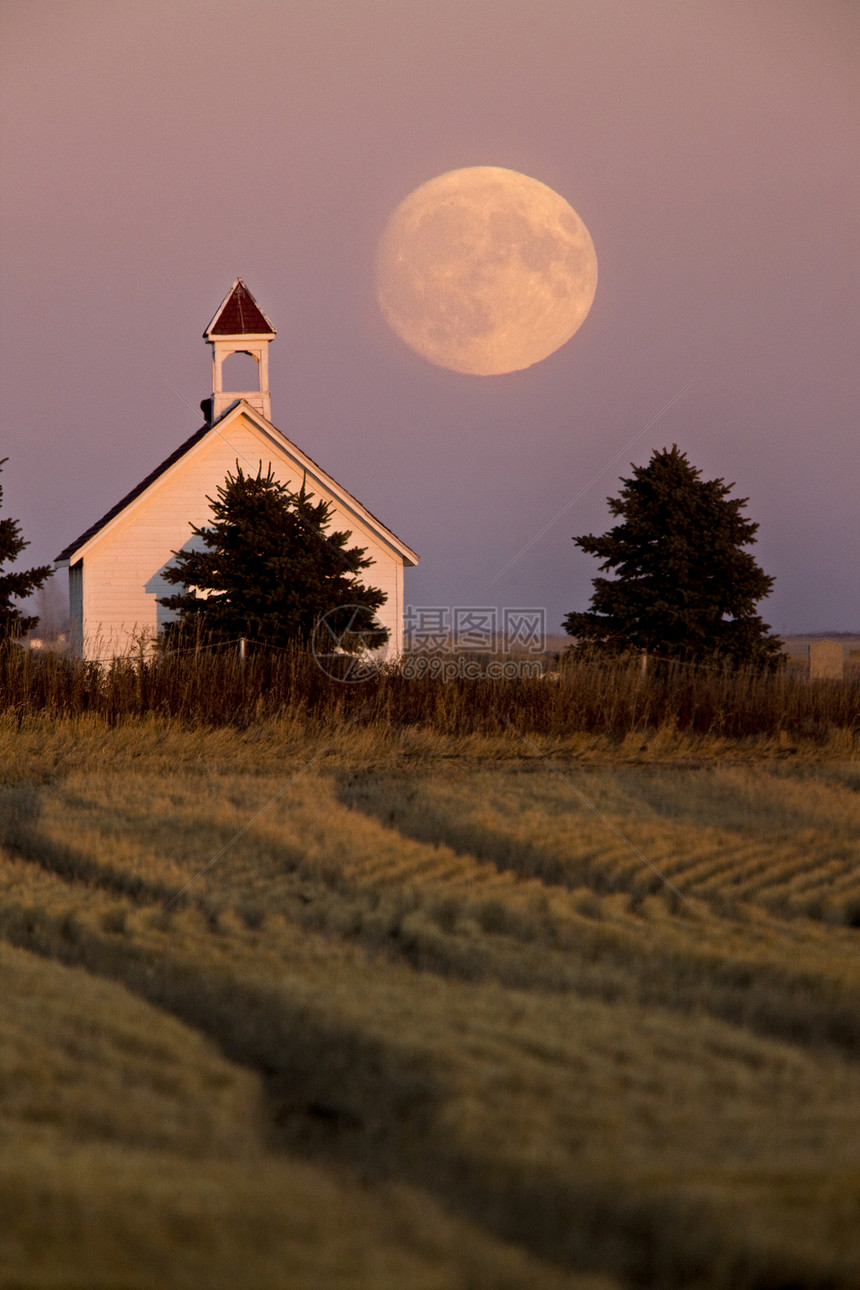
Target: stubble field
{"x": 441, "y": 1013}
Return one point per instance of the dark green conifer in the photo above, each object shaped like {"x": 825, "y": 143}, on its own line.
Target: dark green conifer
{"x": 683, "y": 586}
{"x": 269, "y": 571}
{"x": 17, "y": 585}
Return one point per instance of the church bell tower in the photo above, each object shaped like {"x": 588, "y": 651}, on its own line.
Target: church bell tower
{"x": 240, "y": 327}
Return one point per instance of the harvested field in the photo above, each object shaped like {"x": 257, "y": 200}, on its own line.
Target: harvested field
{"x": 497, "y": 1018}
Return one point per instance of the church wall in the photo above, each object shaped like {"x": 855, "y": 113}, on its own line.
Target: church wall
{"x": 123, "y": 569}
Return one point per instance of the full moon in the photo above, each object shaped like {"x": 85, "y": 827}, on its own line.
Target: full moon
{"x": 484, "y": 270}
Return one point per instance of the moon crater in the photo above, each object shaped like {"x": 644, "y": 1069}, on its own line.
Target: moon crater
{"x": 485, "y": 270}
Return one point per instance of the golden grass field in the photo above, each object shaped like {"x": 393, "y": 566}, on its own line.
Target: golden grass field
{"x": 430, "y": 1020}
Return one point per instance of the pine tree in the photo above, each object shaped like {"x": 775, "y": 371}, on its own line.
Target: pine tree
{"x": 18, "y": 585}
{"x": 683, "y": 586}
{"x": 270, "y": 571}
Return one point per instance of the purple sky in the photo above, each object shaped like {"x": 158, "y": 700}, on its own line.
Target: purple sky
{"x": 151, "y": 152}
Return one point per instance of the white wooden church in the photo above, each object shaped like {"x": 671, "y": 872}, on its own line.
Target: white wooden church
{"x": 116, "y": 568}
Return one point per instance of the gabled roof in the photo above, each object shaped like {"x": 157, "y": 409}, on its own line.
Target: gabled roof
{"x": 68, "y": 551}
{"x": 239, "y": 315}
{"x": 74, "y": 549}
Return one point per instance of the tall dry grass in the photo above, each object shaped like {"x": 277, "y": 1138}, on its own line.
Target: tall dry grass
{"x": 218, "y": 687}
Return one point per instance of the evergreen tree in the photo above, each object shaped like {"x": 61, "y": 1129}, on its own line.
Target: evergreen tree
{"x": 270, "y": 571}
{"x": 683, "y": 586}
{"x": 18, "y": 585}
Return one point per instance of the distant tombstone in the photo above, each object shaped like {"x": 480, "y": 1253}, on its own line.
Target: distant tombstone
{"x": 825, "y": 661}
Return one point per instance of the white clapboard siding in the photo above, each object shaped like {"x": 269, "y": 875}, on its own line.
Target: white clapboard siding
{"x": 116, "y": 574}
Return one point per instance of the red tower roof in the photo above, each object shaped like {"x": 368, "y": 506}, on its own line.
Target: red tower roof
{"x": 239, "y": 315}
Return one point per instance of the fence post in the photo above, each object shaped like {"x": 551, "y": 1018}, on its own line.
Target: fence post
{"x": 242, "y": 650}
